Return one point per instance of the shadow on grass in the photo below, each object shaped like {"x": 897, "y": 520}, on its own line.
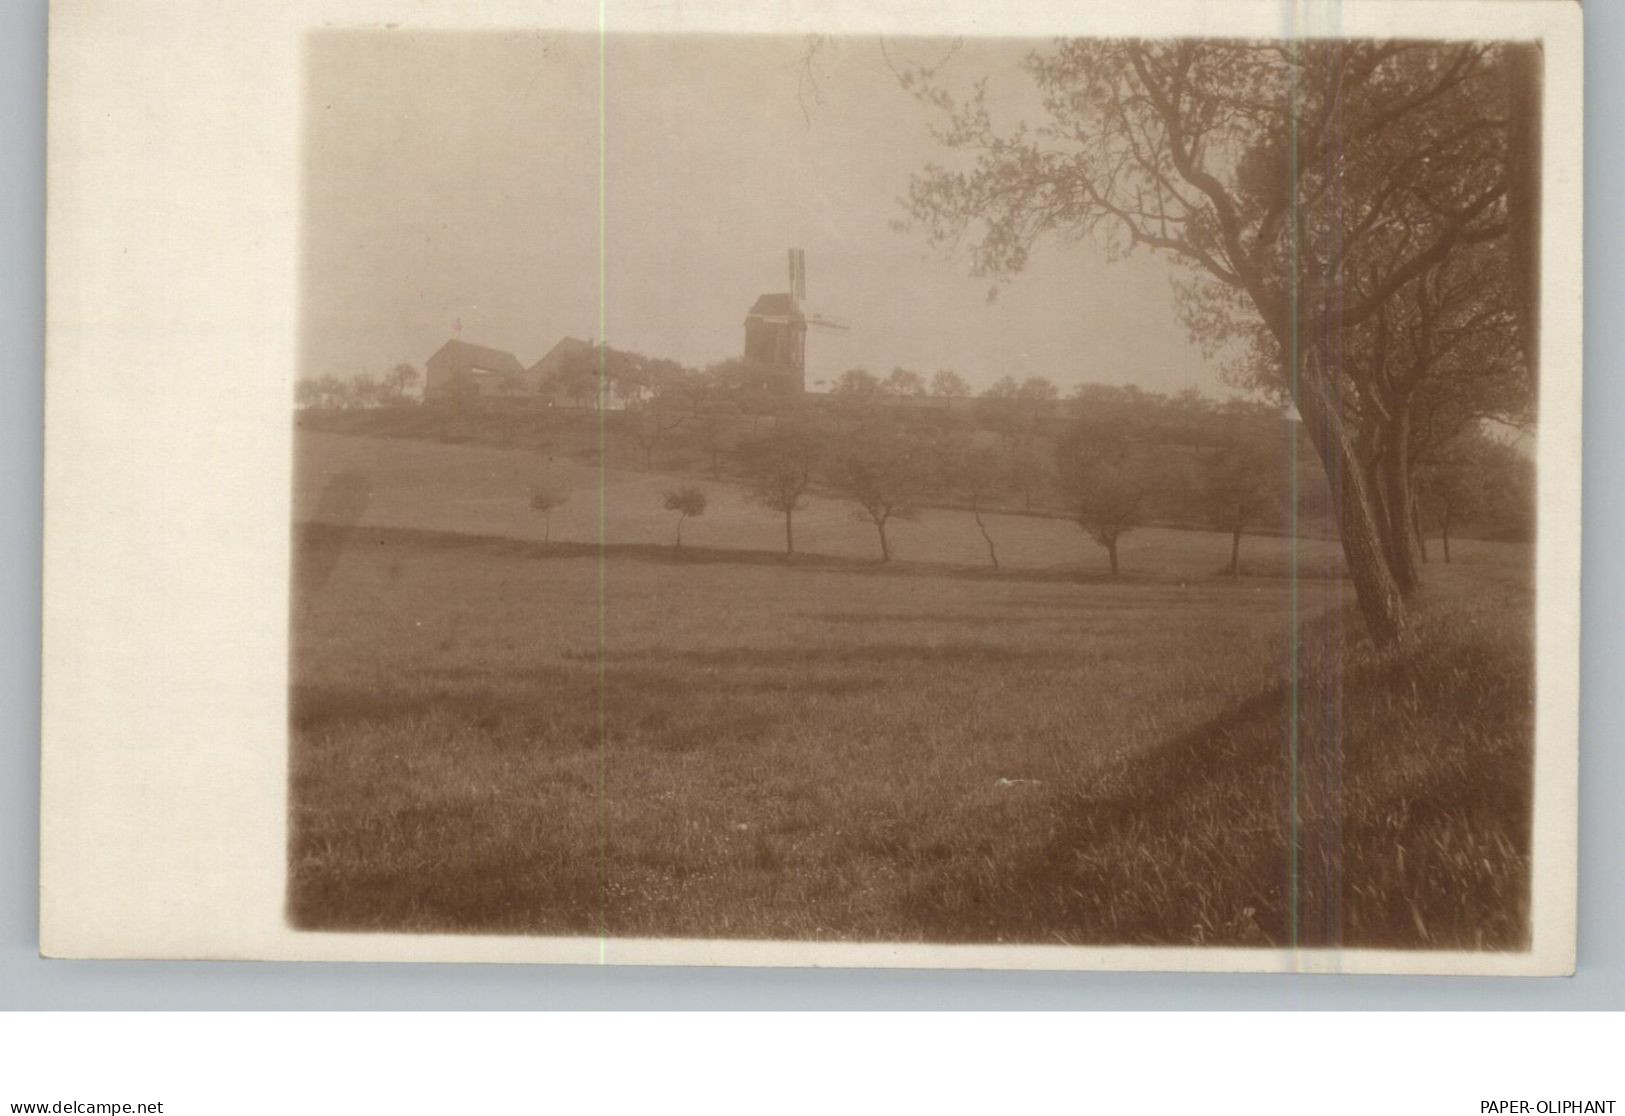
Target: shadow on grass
{"x": 316, "y": 542}
{"x": 1396, "y": 816}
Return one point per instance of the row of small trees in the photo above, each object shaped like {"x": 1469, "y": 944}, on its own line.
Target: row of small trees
{"x": 890, "y": 466}
{"x": 688, "y": 501}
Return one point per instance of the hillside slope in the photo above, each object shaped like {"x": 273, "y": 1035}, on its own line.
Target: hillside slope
{"x": 484, "y": 490}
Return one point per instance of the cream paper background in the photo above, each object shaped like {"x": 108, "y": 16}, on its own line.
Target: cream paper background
{"x": 173, "y": 232}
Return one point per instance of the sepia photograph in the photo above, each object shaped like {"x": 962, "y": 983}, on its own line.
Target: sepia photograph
{"x": 846, "y": 488}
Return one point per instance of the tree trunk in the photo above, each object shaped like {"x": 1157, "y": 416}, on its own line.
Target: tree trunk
{"x": 1377, "y": 489}
{"x": 1444, "y": 535}
{"x": 976, "y": 513}
{"x": 885, "y": 547}
{"x": 547, "y": 528}
{"x": 680, "y": 531}
{"x": 1524, "y": 90}
{"x": 1235, "y": 552}
{"x": 1396, "y": 478}
{"x": 1416, "y": 525}
{"x": 789, "y": 534}
{"x": 1111, "y": 553}
{"x": 1382, "y": 605}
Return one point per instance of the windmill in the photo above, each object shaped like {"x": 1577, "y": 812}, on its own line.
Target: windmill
{"x": 776, "y": 329}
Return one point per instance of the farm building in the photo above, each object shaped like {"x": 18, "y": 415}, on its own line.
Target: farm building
{"x": 549, "y": 374}
{"x": 464, "y": 374}
{"x": 461, "y": 372}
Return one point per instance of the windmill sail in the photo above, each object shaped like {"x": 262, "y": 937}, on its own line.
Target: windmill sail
{"x": 798, "y": 274}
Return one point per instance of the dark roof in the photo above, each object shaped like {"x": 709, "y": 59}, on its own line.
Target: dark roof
{"x": 464, "y": 354}
{"x": 564, "y": 346}
{"x": 777, "y": 304}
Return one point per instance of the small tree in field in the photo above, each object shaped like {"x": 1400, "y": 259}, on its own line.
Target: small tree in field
{"x": 1451, "y": 490}
{"x": 781, "y": 465}
{"x": 714, "y": 418}
{"x": 1105, "y": 489}
{"x": 1242, "y": 484}
{"x": 1026, "y": 470}
{"x": 544, "y": 498}
{"x": 948, "y": 385}
{"x": 687, "y": 501}
{"x": 748, "y": 385}
{"x": 650, "y": 422}
{"x": 975, "y": 474}
{"x": 885, "y": 470}
{"x": 1473, "y": 477}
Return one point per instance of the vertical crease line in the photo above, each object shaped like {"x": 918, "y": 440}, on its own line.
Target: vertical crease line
{"x": 1292, "y": 666}
{"x": 603, "y": 650}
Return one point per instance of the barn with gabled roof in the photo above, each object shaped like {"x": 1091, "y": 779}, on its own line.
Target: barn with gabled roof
{"x": 548, "y": 373}
{"x": 460, "y": 371}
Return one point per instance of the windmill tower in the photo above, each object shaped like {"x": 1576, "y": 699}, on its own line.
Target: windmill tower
{"x": 776, "y": 330}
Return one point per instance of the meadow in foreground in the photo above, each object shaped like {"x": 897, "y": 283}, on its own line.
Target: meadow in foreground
{"x": 494, "y": 736}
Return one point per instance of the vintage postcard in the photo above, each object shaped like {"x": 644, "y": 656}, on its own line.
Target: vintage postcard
{"x": 1084, "y": 487}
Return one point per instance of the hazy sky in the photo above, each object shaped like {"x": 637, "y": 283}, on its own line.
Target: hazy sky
{"x": 454, "y": 177}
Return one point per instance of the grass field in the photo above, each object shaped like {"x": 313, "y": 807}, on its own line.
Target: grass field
{"x": 492, "y": 735}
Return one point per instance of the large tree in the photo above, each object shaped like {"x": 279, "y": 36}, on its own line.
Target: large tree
{"x": 1305, "y": 186}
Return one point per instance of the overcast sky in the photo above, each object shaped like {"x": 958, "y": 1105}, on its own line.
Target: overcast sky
{"x": 453, "y": 178}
